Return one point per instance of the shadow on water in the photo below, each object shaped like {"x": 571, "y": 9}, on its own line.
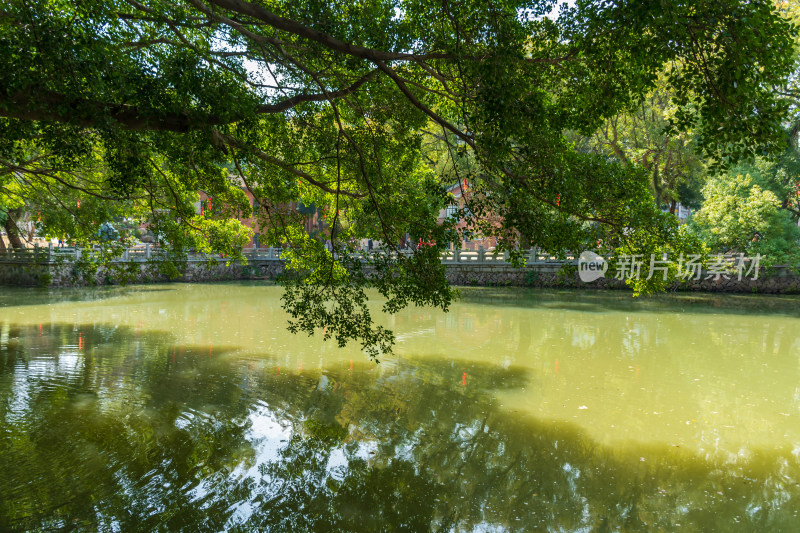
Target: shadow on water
{"x": 602, "y": 301}
{"x": 24, "y": 296}
{"x": 109, "y": 429}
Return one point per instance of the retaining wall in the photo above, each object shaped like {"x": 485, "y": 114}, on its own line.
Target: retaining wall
{"x": 778, "y": 280}
{"x": 67, "y": 274}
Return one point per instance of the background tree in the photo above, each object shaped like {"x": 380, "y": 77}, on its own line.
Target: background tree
{"x": 740, "y": 216}
{"x": 779, "y": 174}
{"x": 754, "y": 207}
{"x": 643, "y": 137}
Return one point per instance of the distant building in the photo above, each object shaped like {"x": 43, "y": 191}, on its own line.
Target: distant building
{"x": 681, "y": 212}
{"x": 471, "y": 240}
{"x": 313, "y": 223}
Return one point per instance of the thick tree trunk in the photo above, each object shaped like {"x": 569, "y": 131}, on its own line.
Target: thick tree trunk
{"x": 655, "y": 182}
{"x": 673, "y": 206}
{"x": 11, "y": 228}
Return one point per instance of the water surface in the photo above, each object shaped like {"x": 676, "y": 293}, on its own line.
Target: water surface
{"x": 188, "y": 407}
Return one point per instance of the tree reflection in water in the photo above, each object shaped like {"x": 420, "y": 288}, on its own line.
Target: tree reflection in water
{"x": 123, "y": 430}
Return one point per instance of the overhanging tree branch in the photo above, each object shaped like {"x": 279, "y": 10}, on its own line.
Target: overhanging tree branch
{"x": 227, "y": 139}
{"x": 301, "y": 30}
{"x": 38, "y": 104}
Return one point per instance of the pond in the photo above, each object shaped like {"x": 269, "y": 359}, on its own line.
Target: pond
{"x": 190, "y": 408}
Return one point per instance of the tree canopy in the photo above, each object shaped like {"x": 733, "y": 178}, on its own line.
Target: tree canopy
{"x": 742, "y": 216}
{"x": 150, "y": 101}
{"x": 642, "y": 137}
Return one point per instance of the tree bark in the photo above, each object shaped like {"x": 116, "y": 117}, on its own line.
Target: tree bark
{"x": 11, "y": 228}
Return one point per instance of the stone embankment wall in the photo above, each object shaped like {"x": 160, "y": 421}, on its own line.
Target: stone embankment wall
{"x": 778, "y": 280}
{"x": 67, "y": 274}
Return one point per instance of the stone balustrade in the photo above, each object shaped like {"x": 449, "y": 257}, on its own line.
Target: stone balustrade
{"x": 147, "y": 252}
{"x": 53, "y": 266}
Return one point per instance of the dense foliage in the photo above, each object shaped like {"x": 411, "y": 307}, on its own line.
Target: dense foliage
{"x": 740, "y": 216}
{"x": 141, "y": 104}
{"x": 643, "y": 136}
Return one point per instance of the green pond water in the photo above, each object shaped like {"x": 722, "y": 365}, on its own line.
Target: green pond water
{"x": 190, "y": 408}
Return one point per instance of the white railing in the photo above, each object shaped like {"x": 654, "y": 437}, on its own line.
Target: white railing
{"x": 146, "y": 252}
{"x": 534, "y": 255}
{"x": 134, "y": 254}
